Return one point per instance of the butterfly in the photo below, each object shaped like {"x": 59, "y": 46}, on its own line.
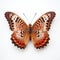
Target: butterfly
{"x": 23, "y": 33}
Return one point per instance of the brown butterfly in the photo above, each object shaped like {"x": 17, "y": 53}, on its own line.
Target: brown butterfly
{"x": 22, "y": 32}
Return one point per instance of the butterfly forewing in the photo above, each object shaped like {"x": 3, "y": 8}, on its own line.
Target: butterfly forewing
{"x": 48, "y": 17}
{"x": 39, "y": 35}
{"x": 20, "y": 36}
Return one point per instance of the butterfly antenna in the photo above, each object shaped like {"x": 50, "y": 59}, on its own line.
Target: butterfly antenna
{"x": 34, "y": 16}
{"x": 25, "y": 16}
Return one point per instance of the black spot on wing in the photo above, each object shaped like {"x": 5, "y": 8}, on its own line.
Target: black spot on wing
{"x": 42, "y": 19}
{"x": 17, "y": 19}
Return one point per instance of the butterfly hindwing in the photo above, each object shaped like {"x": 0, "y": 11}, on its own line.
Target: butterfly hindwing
{"x": 20, "y": 36}
{"x": 39, "y": 35}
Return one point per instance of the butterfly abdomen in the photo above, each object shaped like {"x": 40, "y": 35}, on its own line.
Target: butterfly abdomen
{"x": 30, "y": 31}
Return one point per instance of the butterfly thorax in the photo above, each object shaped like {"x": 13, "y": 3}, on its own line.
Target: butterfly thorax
{"x": 30, "y": 28}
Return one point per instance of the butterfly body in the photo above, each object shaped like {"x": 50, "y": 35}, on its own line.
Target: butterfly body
{"x": 37, "y": 33}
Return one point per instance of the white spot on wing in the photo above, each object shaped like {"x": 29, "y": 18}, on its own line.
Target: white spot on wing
{"x": 49, "y": 15}
{"x": 41, "y": 35}
{"x": 14, "y": 17}
{"x": 18, "y": 35}
{"x": 45, "y": 17}
{"x": 10, "y": 15}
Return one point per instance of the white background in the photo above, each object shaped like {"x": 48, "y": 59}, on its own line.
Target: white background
{"x": 8, "y": 51}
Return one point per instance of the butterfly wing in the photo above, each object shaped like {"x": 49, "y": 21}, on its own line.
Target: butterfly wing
{"x": 39, "y": 35}
{"x": 20, "y": 36}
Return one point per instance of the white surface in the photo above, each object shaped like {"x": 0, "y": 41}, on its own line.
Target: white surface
{"x": 8, "y": 51}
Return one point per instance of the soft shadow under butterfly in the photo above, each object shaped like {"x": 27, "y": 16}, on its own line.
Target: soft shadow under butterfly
{"x": 22, "y": 32}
